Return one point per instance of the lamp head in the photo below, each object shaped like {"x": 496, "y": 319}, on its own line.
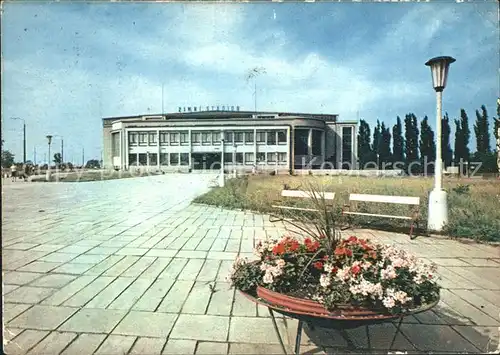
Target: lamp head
{"x": 439, "y": 70}
{"x": 49, "y": 137}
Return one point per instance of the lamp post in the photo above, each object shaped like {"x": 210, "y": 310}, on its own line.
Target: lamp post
{"x": 221, "y": 175}
{"x": 438, "y": 206}
{"x": 24, "y": 136}
{"x": 47, "y": 177}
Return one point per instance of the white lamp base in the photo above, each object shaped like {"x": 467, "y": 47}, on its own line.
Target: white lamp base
{"x": 438, "y": 210}
{"x": 47, "y": 175}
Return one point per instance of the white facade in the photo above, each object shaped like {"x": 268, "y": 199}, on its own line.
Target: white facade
{"x": 251, "y": 141}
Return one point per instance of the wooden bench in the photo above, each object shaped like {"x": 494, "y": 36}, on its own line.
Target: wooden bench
{"x": 400, "y": 200}
{"x": 328, "y": 196}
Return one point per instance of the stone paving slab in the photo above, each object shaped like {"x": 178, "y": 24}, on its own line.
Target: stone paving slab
{"x": 146, "y": 272}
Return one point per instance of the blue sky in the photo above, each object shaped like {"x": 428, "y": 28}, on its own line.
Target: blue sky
{"x": 67, "y": 65}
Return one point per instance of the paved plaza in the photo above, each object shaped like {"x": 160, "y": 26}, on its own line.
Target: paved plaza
{"x": 132, "y": 267}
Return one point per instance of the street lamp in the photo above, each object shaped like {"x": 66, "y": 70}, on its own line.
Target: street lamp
{"x": 221, "y": 175}
{"x": 47, "y": 177}
{"x": 24, "y": 136}
{"x": 438, "y": 206}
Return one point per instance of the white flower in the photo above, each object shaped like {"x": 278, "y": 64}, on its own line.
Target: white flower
{"x": 366, "y": 265}
{"x": 388, "y": 302}
{"x": 401, "y": 297}
{"x": 280, "y": 263}
{"x": 367, "y": 288}
{"x": 328, "y": 267}
{"x": 268, "y": 278}
{"x": 388, "y": 273}
{"x": 264, "y": 266}
{"x": 343, "y": 274}
{"x": 325, "y": 280}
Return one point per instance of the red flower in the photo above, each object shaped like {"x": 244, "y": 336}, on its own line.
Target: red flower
{"x": 293, "y": 245}
{"x": 325, "y": 258}
{"x": 279, "y": 249}
{"x": 313, "y": 247}
{"x": 352, "y": 239}
{"x": 355, "y": 269}
{"x": 334, "y": 270}
{"x": 318, "y": 265}
{"x": 348, "y": 252}
{"x": 343, "y": 251}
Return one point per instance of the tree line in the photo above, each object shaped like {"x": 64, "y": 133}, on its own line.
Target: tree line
{"x": 414, "y": 147}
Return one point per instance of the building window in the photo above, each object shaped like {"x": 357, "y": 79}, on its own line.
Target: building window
{"x": 239, "y": 158}
{"x": 249, "y": 158}
{"x": 132, "y": 159}
{"x": 205, "y": 138}
{"x": 196, "y": 137}
{"x": 281, "y": 137}
{"x": 132, "y": 138}
{"x": 271, "y": 157}
{"x": 282, "y": 157}
{"x": 163, "y": 158}
{"x": 316, "y": 142}
{"x": 261, "y": 137}
{"x": 163, "y": 138}
{"x": 152, "y": 138}
{"x": 249, "y": 137}
{"x": 184, "y": 158}
{"x": 228, "y": 157}
{"x": 143, "y": 138}
{"x": 215, "y": 137}
{"x": 115, "y": 144}
{"x": 174, "y": 159}
{"x": 261, "y": 157}
{"x": 153, "y": 158}
{"x": 184, "y": 137}
{"x": 346, "y": 147}
{"x": 271, "y": 138}
{"x": 300, "y": 142}
{"x": 238, "y": 137}
{"x": 174, "y": 138}
{"x": 228, "y": 137}
{"x": 143, "y": 159}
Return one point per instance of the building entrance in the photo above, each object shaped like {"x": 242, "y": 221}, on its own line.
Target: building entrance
{"x": 206, "y": 161}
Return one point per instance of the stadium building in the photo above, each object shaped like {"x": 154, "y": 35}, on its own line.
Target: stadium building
{"x": 196, "y": 140}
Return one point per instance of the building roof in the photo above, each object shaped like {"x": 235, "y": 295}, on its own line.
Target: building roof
{"x": 226, "y": 114}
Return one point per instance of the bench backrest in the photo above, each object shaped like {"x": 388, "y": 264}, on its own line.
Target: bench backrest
{"x": 307, "y": 194}
{"x": 405, "y": 200}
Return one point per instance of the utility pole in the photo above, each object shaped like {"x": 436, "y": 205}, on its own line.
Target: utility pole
{"x": 83, "y": 157}
{"x": 34, "y": 155}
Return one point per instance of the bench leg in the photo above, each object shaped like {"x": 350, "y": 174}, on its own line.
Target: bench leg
{"x": 414, "y": 230}
{"x": 276, "y": 329}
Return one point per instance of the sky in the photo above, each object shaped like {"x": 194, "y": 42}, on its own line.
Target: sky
{"x": 65, "y": 65}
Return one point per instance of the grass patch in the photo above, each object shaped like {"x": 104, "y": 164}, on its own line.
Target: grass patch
{"x": 474, "y": 205}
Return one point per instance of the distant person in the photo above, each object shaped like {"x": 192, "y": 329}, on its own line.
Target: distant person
{"x": 13, "y": 172}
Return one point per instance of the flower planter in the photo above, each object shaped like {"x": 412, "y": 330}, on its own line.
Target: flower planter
{"x": 295, "y": 304}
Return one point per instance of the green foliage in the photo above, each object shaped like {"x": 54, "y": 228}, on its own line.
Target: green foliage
{"x": 365, "y": 151}
{"x": 482, "y": 131}
{"x": 461, "y": 189}
{"x": 57, "y": 158}
{"x": 398, "y": 142}
{"x": 246, "y": 277}
{"x": 377, "y": 137}
{"x": 385, "y": 145}
{"x": 445, "y": 141}
{"x": 462, "y": 137}
{"x": 411, "y": 141}
{"x": 7, "y": 159}
{"x": 93, "y": 163}
{"x": 427, "y": 144}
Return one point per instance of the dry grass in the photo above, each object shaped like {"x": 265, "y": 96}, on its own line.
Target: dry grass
{"x": 474, "y": 204}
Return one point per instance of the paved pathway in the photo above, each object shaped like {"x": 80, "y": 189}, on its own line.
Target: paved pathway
{"x": 128, "y": 266}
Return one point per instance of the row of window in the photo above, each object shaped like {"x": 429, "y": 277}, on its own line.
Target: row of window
{"x": 207, "y": 138}
{"x": 183, "y": 158}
